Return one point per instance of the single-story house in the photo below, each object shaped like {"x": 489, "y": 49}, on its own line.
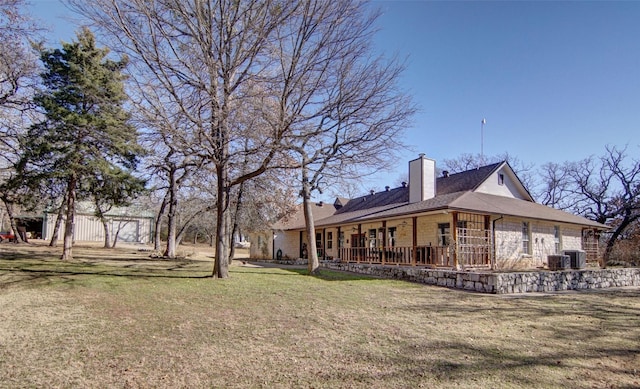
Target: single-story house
{"x": 483, "y": 217}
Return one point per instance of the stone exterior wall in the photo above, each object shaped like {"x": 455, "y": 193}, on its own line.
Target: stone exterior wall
{"x": 427, "y": 231}
{"x": 261, "y": 245}
{"x": 288, "y": 242}
{"x": 509, "y": 251}
{"x": 501, "y": 283}
{"x": 571, "y": 237}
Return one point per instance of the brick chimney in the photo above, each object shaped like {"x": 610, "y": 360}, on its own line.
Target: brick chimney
{"x": 422, "y": 179}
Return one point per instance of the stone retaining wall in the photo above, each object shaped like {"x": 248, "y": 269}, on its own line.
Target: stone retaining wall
{"x": 498, "y": 282}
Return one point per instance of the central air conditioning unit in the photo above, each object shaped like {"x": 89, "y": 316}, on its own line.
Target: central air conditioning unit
{"x": 558, "y": 262}
{"x": 578, "y": 258}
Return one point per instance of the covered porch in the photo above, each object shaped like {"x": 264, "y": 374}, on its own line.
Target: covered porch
{"x": 427, "y": 241}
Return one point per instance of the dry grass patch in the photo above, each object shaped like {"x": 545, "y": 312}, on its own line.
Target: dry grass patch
{"x": 103, "y": 321}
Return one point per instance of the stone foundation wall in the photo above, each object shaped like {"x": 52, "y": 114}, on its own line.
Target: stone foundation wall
{"x": 501, "y": 283}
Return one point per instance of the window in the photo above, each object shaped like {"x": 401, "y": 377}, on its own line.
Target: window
{"x": 444, "y": 234}
{"x": 318, "y": 240}
{"x": 392, "y": 237}
{"x": 525, "y": 238}
{"x": 557, "y": 239}
{"x": 462, "y": 231}
{"x": 500, "y": 179}
{"x": 372, "y": 238}
{"x": 330, "y": 239}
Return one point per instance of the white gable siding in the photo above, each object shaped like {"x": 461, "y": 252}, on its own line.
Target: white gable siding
{"x": 509, "y": 188}
{"x": 90, "y": 228}
{"x": 128, "y": 230}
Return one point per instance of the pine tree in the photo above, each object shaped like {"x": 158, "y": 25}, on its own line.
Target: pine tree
{"x": 86, "y": 129}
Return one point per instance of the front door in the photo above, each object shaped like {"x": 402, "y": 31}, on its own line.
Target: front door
{"x": 358, "y": 246}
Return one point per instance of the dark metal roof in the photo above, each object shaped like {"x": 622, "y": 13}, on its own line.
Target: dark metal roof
{"x": 469, "y": 201}
{"x": 463, "y": 181}
{"x": 453, "y": 192}
{"x": 458, "y": 182}
{"x": 394, "y": 196}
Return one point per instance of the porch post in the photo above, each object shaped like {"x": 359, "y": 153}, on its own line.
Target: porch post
{"x": 338, "y": 245}
{"x": 360, "y": 250}
{"x": 454, "y": 234}
{"x": 487, "y": 233}
{"x": 414, "y": 257}
{"x": 300, "y": 244}
{"x": 384, "y": 241}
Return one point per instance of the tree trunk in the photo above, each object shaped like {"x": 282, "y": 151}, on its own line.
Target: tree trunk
{"x": 170, "y": 252}
{"x": 69, "y": 224}
{"x": 12, "y": 222}
{"x": 235, "y": 228}
{"x": 221, "y": 264}
{"x": 314, "y": 263}
{"x": 232, "y": 246}
{"x": 156, "y": 238}
{"x": 115, "y": 238}
{"x": 180, "y": 236}
{"x": 59, "y": 217}
{"x": 626, "y": 221}
{"x": 107, "y": 234}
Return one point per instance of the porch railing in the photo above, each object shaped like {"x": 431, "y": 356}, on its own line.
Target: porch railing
{"x": 433, "y": 256}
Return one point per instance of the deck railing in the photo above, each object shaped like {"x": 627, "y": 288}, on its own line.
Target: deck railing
{"x": 433, "y": 256}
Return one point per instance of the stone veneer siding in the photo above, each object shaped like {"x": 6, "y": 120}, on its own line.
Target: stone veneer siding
{"x": 501, "y": 283}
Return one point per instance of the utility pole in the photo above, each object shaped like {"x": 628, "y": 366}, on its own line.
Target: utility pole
{"x": 482, "y": 123}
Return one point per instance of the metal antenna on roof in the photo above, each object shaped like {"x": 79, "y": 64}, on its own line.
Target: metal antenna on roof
{"x": 482, "y": 123}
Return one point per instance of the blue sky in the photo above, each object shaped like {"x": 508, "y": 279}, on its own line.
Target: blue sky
{"x": 555, "y": 81}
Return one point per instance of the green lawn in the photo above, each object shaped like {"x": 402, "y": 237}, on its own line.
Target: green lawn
{"x": 116, "y": 318}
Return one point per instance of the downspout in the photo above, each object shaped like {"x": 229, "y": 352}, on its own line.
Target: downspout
{"x": 493, "y": 241}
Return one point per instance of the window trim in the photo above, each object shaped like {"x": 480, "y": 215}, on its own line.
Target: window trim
{"x": 526, "y": 238}
{"x": 392, "y": 233}
{"x": 444, "y": 234}
{"x": 557, "y": 238}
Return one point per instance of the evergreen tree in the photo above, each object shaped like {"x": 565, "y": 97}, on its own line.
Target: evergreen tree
{"x": 86, "y": 130}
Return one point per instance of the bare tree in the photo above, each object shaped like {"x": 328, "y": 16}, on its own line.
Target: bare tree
{"x": 169, "y": 141}
{"x": 554, "y": 187}
{"x": 347, "y": 111}
{"x": 289, "y": 65}
{"x": 210, "y": 56}
{"x": 467, "y": 161}
{"x": 607, "y": 190}
{"x": 18, "y": 77}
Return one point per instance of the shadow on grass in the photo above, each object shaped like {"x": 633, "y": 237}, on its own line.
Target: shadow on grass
{"x": 18, "y": 266}
{"x": 15, "y": 276}
{"x": 296, "y": 270}
{"x": 333, "y": 275}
